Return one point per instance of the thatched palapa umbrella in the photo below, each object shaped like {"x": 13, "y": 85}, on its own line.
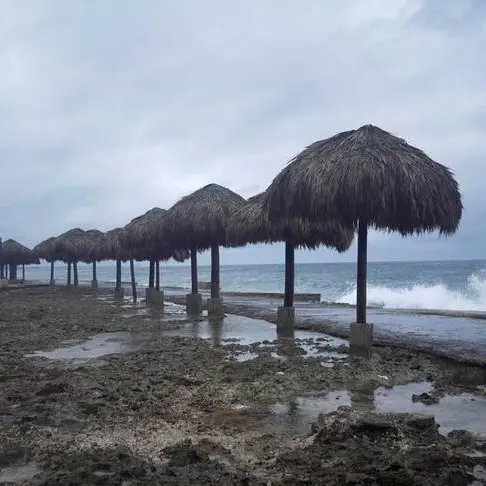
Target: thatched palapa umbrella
{"x": 137, "y": 237}
{"x": 250, "y": 224}
{"x": 93, "y": 251}
{"x": 198, "y": 222}
{"x": 71, "y": 246}
{"x": 14, "y": 254}
{"x": 113, "y": 250}
{"x": 143, "y": 238}
{"x": 367, "y": 178}
{"x": 46, "y": 251}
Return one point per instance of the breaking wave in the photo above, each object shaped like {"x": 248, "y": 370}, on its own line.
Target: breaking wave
{"x": 473, "y": 298}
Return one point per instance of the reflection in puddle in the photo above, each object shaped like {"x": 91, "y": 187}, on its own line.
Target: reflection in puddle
{"x": 242, "y": 357}
{"x": 463, "y": 411}
{"x": 94, "y": 347}
{"x": 169, "y": 311}
{"x": 246, "y": 331}
{"x": 18, "y": 474}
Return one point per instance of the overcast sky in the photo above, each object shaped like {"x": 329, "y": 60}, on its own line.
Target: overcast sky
{"x": 110, "y": 108}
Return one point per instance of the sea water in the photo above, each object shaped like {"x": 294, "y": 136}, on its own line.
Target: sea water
{"x": 446, "y": 285}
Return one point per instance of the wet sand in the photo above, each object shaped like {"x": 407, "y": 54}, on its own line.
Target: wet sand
{"x": 98, "y": 392}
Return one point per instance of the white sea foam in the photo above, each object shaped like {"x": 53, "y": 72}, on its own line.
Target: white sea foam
{"x": 426, "y": 296}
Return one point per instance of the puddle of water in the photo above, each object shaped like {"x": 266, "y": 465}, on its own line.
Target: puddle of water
{"x": 247, "y": 331}
{"x": 452, "y": 412}
{"x": 94, "y": 347}
{"x": 18, "y": 474}
{"x": 242, "y": 357}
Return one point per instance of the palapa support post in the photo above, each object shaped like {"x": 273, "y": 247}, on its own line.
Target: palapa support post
{"x": 75, "y": 273}
{"x": 215, "y": 303}
{"x": 23, "y": 273}
{"x": 134, "y": 283}
{"x": 286, "y": 314}
{"x": 153, "y": 295}
{"x": 52, "y": 281}
{"x": 94, "y": 280}
{"x": 361, "y": 333}
{"x": 119, "y": 290}
{"x": 151, "y": 273}
{"x": 69, "y": 274}
{"x": 151, "y": 285}
{"x": 12, "y": 272}
{"x": 194, "y": 299}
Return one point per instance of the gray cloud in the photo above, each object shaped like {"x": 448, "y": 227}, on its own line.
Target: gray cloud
{"x": 110, "y": 108}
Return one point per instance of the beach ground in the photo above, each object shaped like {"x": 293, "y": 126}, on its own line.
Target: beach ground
{"x": 147, "y": 404}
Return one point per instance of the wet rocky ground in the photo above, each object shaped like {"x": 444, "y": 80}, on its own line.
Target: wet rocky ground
{"x": 98, "y": 392}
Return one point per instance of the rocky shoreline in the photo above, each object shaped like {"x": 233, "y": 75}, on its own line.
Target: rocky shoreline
{"x": 163, "y": 408}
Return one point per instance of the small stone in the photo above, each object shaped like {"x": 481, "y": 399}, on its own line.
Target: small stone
{"x": 425, "y": 398}
{"x": 460, "y": 437}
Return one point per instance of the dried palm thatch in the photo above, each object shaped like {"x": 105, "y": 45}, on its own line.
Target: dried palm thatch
{"x": 250, "y": 224}
{"x": 93, "y": 246}
{"x": 367, "y": 177}
{"x": 45, "y": 250}
{"x": 140, "y": 231}
{"x": 370, "y": 175}
{"x": 112, "y": 248}
{"x": 199, "y": 220}
{"x": 13, "y": 253}
{"x": 71, "y": 245}
{"x": 143, "y": 238}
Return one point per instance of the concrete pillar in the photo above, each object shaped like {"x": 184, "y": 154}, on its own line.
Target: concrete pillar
{"x": 215, "y": 307}
{"x": 52, "y": 282}
{"x": 361, "y": 339}
{"x": 154, "y": 296}
{"x": 285, "y": 319}
{"x": 94, "y": 284}
{"x": 194, "y": 304}
{"x": 119, "y": 293}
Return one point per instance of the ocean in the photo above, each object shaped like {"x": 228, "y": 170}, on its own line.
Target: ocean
{"x": 445, "y": 285}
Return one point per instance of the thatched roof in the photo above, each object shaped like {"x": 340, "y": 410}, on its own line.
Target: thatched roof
{"x": 143, "y": 238}
{"x": 250, "y": 224}
{"x": 13, "y": 253}
{"x": 200, "y": 219}
{"x": 71, "y": 245}
{"x": 45, "y": 250}
{"x": 372, "y": 175}
{"x": 94, "y": 246}
{"x": 112, "y": 248}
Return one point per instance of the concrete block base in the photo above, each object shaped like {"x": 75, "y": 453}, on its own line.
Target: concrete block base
{"x": 94, "y": 284}
{"x": 194, "y": 304}
{"x": 3, "y": 282}
{"x": 119, "y": 293}
{"x": 154, "y": 296}
{"x": 361, "y": 339}
{"x": 285, "y": 319}
{"x": 215, "y": 307}
{"x": 52, "y": 283}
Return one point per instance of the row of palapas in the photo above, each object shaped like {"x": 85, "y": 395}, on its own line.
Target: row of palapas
{"x": 211, "y": 217}
{"x": 349, "y": 182}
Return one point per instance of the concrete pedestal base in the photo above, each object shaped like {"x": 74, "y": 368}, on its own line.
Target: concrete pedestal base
{"x": 285, "y": 319}
{"x": 119, "y": 293}
{"x": 3, "y": 282}
{"x": 154, "y": 296}
{"x": 52, "y": 283}
{"x": 94, "y": 284}
{"x": 194, "y": 304}
{"x": 361, "y": 339}
{"x": 215, "y": 307}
